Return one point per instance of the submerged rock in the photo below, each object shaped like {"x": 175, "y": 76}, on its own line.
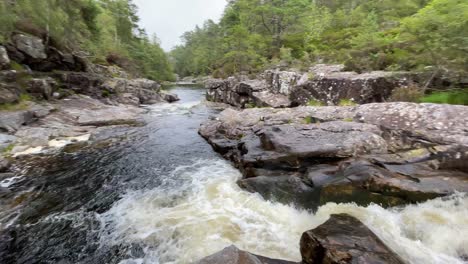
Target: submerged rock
{"x": 233, "y": 255}
{"x": 364, "y": 154}
{"x": 344, "y": 239}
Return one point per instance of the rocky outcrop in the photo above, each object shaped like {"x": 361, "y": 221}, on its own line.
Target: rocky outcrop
{"x": 55, "y": 124}
{"x": 388, "y": 153}
{"x": 31, "y": 51}
{"x": 233, "y": 255}
{"x": 244, "y": 94}
{"x": 327, "y": 84}
{"x": 344, "y": 239}
{"x": 334, "y": 87}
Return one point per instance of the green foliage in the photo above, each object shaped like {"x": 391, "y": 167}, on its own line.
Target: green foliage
{"x": 97, "y": 27}
{"x": 363, "y": 34}
{"x": 347, "y": 102}
{"x": 457, "y": 97}
{"x": 8, "y": 149}
{"x": 313, "y": 102}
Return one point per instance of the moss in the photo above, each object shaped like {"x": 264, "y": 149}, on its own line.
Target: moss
{"x": 347, "y": 102}
{"x": 313, "y": 102}
{"x": 16, "y": 66}
{"x": 348, "y": 119}
{"x": 8, "y": 149}
{"x": 250, "y": 105}
{"x": 105, "y": 93}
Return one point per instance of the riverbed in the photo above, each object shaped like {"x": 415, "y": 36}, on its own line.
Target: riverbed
{"x": 160, "y": 194}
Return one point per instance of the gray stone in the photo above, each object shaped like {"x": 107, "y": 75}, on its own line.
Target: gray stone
{"x": 233, "y": 255}
{"x": 33, "y": 136}
{"x": 41, "y": 88}
{"x": 8, "y": 94}
{"x": 344, "y": 239}
{"x": 12, "y": 121}
{"x": 4, "y": 59}
{"x": 30, "y": 45}
{"x": 401, "y": 152}
{"x": 170, "y": 97}
{"x": 6, "y": 141}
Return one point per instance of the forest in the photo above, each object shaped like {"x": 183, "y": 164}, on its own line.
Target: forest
{"x": 105, "y": 31}
{"x": 363, "y": 34}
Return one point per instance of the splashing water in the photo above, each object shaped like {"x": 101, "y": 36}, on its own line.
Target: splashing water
{"x": 200, "y": 210}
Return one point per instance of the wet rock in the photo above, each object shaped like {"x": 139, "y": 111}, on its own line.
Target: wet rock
{"x": 233, "y": 255}
{"x": 344, "y": 239}
{"x": 31, "y": 46}
{"x": 4, "y": 59}
{"x": 284, "y": 189}
{"x": 170, "y": 97}
{"x": 313, "y": 155}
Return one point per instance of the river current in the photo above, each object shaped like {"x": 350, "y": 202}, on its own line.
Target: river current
{"x": 160, "y": 194}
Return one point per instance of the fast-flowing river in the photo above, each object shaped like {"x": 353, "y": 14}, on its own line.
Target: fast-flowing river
{"x": 160, "y": 194}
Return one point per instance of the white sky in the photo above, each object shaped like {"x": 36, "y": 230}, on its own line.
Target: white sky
{"x": 169, "y": 19}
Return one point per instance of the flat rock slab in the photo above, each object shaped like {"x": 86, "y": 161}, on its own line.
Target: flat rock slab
{"x": 344, "y": 239}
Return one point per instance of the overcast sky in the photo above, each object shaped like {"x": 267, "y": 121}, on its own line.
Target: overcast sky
{"x": 169, "y": 19}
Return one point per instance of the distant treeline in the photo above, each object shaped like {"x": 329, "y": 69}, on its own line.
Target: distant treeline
{"x": 105, "y": 30}
{"x": 362, "y": 34}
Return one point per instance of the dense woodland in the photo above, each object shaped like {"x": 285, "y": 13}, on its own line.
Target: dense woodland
{"x": 362, "y": 34}
{"x": 106, "y": 31}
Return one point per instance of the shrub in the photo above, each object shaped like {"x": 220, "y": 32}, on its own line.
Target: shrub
{"x": 313, "y": 102}
{"x": 347, "y": 102}
{"x": 411, "y": 93}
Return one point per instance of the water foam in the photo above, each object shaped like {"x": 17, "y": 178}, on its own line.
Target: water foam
{"x": 200, "y": 210}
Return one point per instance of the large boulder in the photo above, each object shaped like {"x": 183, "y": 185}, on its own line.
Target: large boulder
{"x": 31, "y": 46}
{"x": 364, "y": 154}
{"x": 344, "y": 239}
{"x": 233, "y": 255}
{"x": 4, "y": 59}
{"x": 359, "y": 88}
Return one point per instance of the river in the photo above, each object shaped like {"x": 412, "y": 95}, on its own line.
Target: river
{"x": 160, "y": 194}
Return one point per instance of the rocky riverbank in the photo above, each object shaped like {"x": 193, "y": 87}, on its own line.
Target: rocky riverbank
{"x": 322, "y": 84}
{"x": 50, "y": 99}
{"x": 390, "y": 154}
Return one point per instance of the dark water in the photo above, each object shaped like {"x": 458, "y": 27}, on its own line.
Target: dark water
{"x": 49, "y": 215}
